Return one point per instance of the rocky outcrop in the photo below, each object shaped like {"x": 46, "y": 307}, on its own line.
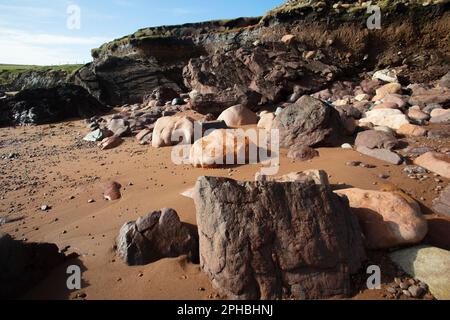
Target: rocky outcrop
{"x": 23, "y": 265}
{"x": 295, "y": 49}
{"x": 42, "y": 106}
{"x": 158, "y": 235}
{"x": 309, "y": 122}
{"x": 32, "y": 79}
{"x": 268, "y": 240}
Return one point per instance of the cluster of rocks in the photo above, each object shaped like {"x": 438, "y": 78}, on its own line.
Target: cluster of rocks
{"x": 411, "y": 288}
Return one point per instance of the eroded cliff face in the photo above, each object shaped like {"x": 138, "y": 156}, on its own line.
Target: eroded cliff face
{"x": 244, "y": 60}
{"x": 33, "y": 79}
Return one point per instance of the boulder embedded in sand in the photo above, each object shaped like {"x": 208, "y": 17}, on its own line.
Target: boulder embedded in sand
{"x": 412, "y": 130}
{"x": 266, "y": 120}
{"x": 309, "y": 122}
{"x": 381, "y": 154}
{"x": 376, "y": 139}
{"x": 427, "y": 264}
{"x": 170, "y": 131}
{"x": 391, "y": 118}
{"x": 158, "y": 235}
{"x": 436, "y": 162}
{"x": 111, "y": 190}
{"x": 238, "y": 116}
{"x": 441, "y": 204}
{"x": 387, "y": 219}
{"x": 318, "y": 241}
{"x": 220, "y": 147}
{"x": 302, "y": 153}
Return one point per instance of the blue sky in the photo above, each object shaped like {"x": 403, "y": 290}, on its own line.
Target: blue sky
{"x": 36, "y": 31}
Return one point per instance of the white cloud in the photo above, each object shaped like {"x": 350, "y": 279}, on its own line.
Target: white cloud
{"x": 21, "y": 47}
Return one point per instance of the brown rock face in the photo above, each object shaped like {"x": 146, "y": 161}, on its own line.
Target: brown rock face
{"x": 308, "y": 122}
{"x": 269, "y": 240}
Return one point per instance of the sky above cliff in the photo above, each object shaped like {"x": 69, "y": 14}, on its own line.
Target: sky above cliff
{"x": 49, "y": 32}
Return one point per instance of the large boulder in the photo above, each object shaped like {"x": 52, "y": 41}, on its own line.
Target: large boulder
{"x": 308, "y": 122}
{"x": 43, "y": 106}
{"x": 412, "y": 130}
{"x": 436, "y": 162}
{"x": 219, "y": 148}
{"x": 269, "y": 240}
{"x": 427, "y": 264}
{"x": 387, "y": 218}
{"x": 158, "y": 235}
{"x": 170, "y": 131}
{"x": 373, "y": 139}
{"x": 23, "y": 265}
{"x": 238, "y": 116}
{"x": 441, "y": 204}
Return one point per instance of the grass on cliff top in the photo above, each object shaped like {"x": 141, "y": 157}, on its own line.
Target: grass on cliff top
{"x": 18, "y": 68}
{"x": 385, "y": 5}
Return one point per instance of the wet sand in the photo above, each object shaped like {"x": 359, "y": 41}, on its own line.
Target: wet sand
{"x": 55, "y": 167}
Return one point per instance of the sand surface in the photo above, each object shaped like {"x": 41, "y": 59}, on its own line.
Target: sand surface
{"x": 55, "y": 167}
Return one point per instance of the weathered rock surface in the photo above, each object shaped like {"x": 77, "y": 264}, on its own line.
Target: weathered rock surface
{"x": 43, "y": 106}
{"x": 23, "y": 265}
{"x": 441, "y": 204}
{"x": 428, "y": 264}
{"x": 158, "y": 235}
{"x": 111, "y": 190}
{"x": 309, "y": 122}
{"x": 436, "y": 162}
{"x": 267, "y": 240}
{"x": 386, "y": 218}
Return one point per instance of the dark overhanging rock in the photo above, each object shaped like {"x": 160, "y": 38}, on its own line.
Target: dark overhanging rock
{"x": 269, "y": 240}
{"x": 44, "y": 106}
